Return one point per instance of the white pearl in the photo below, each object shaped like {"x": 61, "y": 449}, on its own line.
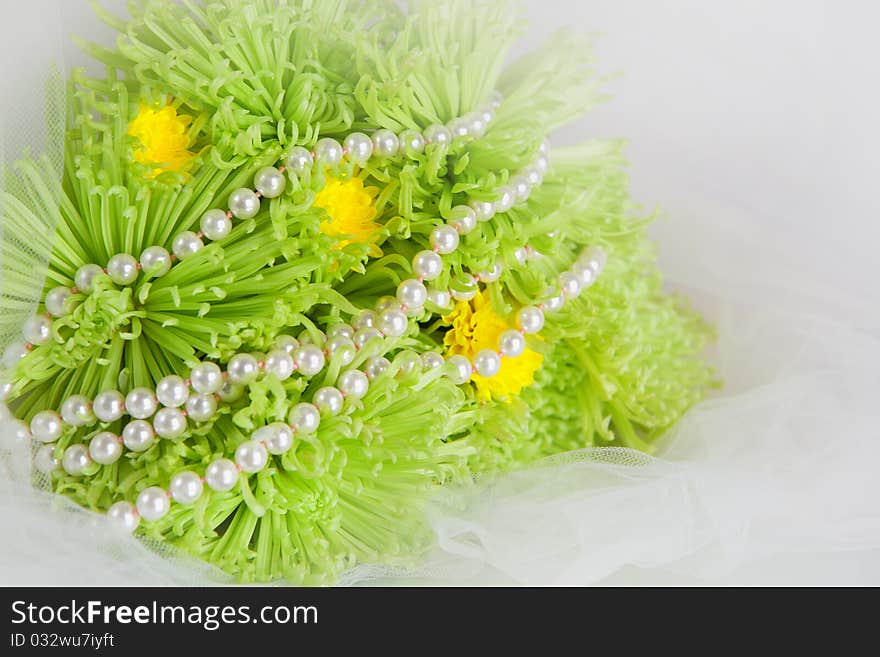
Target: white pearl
{"x": 286, "y": 342}
{"x": 477, "y": 126}
{"x": 495, "y": 99}
{"x": 385, "y": 143}
{"x": 329, "y": 398}
{"x": 438, "y": 134}
{"x": 85, "y": 278}
{"x": 570, "y": 284}
{"x": 463, "y": 219}
{"x": 244, "y": 203}
{"x": 366, "y": 319}
{"x": 440, "y": 298}
{"x": 511, "y": 344}
{"x": 153, "y": 503}
{"x": 138, "y": 435}
{"x": 76, "y": 459}
{"x": 505, "y": 199}
{"x": 328, "y": 152}
{"x": 460, "y": 369}
{"x": 427, "y": 265}
{"x": 45, "y": 461}
{"x": 487, "y": 114}
{"x": 304, "y": 418}
{"x": 46, "y": 426}
{"x": 105, "y": 448}
{"x": 169, "y": 423}
{"x": 411, "y": 143}
{"x": 521, "y": 189}
{"x": 484, "y": 210}
{"x": 359, "y": 147}
{"x": 155, "y": 261}
{"x": 493, "y": 275}
{"x": 141, "y": 403}
{"x": 376, "y": 367}
{"x": 343, "y": 330}
{"x": 342, "y": 348}
{"x": 541, "y": 165}
{"x": 251, "y": 456}
{"x": 186, "y": 244}
{"x": 186, "y": 487}
{"x": 221, "y": 475}
{"x": 201, "y": 408}
{"x": 299, "y": 161}
{"x": 393, "y": 323}
{"x": 407, "y": 361}
{"x": 432, "y": 360}
{"x": 278, "y": 437}
{"x": 531, "y": 319}
{"x": 585, "y": 274}
{"x": 230, "y": 392}
{"x": 309, "y": 359}
{"x": 412, "y": 294}
{"x": 206, "y": 378}
{"x": 363, "y": 336}
{"x": 595, "y": 258}
{"x": 544, "y": 148}
{"x": 459, "y": 129}
{"x": 122, "y": 269}
{"x": 172, "y": 391}
{"x": 124, "y": 516}
{"x": 445, "y": 239}
{"x": 487, "y": 363}
{"x": 387, "y": 303}
{"x": 533, "y": 176}
{"x": 353, "y": 384}
{"x": 37, "y": 330}
{"x": 56, "y": 301}
{"x": 279, "y": 363}
{"x": 270, "y": 182}
{"x": 464, "y": 288}
{"x": 554, "y": 302}
{"x": 13, "y": 354}
{"x": 215, "y": 225}
{"x": 243, "y": 368}
{"x": 18, "y": 437}
{"x": 109, "y": 406}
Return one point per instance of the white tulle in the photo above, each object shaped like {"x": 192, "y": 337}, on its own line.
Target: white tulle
{"x": 773, "y": 479}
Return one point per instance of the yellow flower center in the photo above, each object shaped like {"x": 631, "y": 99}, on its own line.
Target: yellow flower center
{"x": 164, "y": 139}
{"x": 476, "y": 326}
{"x": 351, "y": 211}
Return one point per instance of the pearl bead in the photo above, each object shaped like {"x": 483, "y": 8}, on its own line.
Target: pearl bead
{"x": 544, "y": 148}
{"x": 464, "y": 288}
{"x": 359, "y": 147}
{"x": 215, "y": 225}
{"x": 376, "y": 367}
{"x": 155, "y": 261}
{"x": 411, "y": 143}
{"x": 445, "y": 239}
{"x": 484, "y": 210}
{"x": 105, "y": 448}
{"x": 37, "y": 330}
{"x": 460, "y": 369}
{"x": 243, "y": 368}
{"x": 330, "y": 399}
{"x": 407, "y": 361}
{"x": 76, "y": 459}
{"x": 251, "y": 456}
{"x": 221, "y": 475}
{"x": 279, "y": 363}
{"x": 432, "y": 360}
{"x": 186, "y": 244}
{"x": 440, "y": 298}
{"x": 385, "y": 143}
{"x": 463, "y": 219}
{"x": 387, "y": 303}
{"x": 186, "y": 487}
{"x": 585, "y": 274}
{"x": 488, "y": 115}
{"x": 230, "y": 392}
{"x": 541, "y": 165}
{"x": 169, "y": 423}
{"x": 505, "y": 199}
{"x": 412, "y": 294}
{"x": 328, "y": 152}
{"x": 286, "y": 342}
{"x": 521, "y": 189}
{"x": 495, "y": 99}
{"x": 172, "y": 391}
{"x": 309, "y": 359}
{"x": 531, "y": 319}
{"x": 477, "y": 126}
{"x": 493, "y": 275}
{"x": 554, "y": 302}
{"x": 299, "y": 161}
{"x": 206, "y": 378}
{"x": 367, "y": 319}
{"x": 85, "y": 278}
{"x": 570, "y": 284}
{"x": 122, "y": 269}
{"x": 363, "y": 336}
{"x": 244, "y": 203}
{"x": 201, "y": 408}
{"x": 141, "y": 403}
{"x": 304, "y": 418}
{"x": 427, "y": 265}
{"x": 459, "y": 129}
{"x": 153, "y": 503}
{"x": 17, "y": 436}
{"x": 487, "y": 363}
{"x": 109, "y": 406}
{"x": 124, "y": 516}
{"x": 595, "y": 258}
{"x": 342, "y": 348}
{"x": 45, "y": 461}
{"x": 138, "y": 435}
{"x": 438, "y": 135}
{"x": 393, "y": 323}
{"x": 343, "y": 330}
{"x": 278, "y": 437}
{"x": 56, "y": 301}
{"x": 511, "y": 344}
{"x": 533, "y": 176}
{"x": 270, "y": 182}
{"x": 353, "y": 384}
{"x": 46, "y": 426}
